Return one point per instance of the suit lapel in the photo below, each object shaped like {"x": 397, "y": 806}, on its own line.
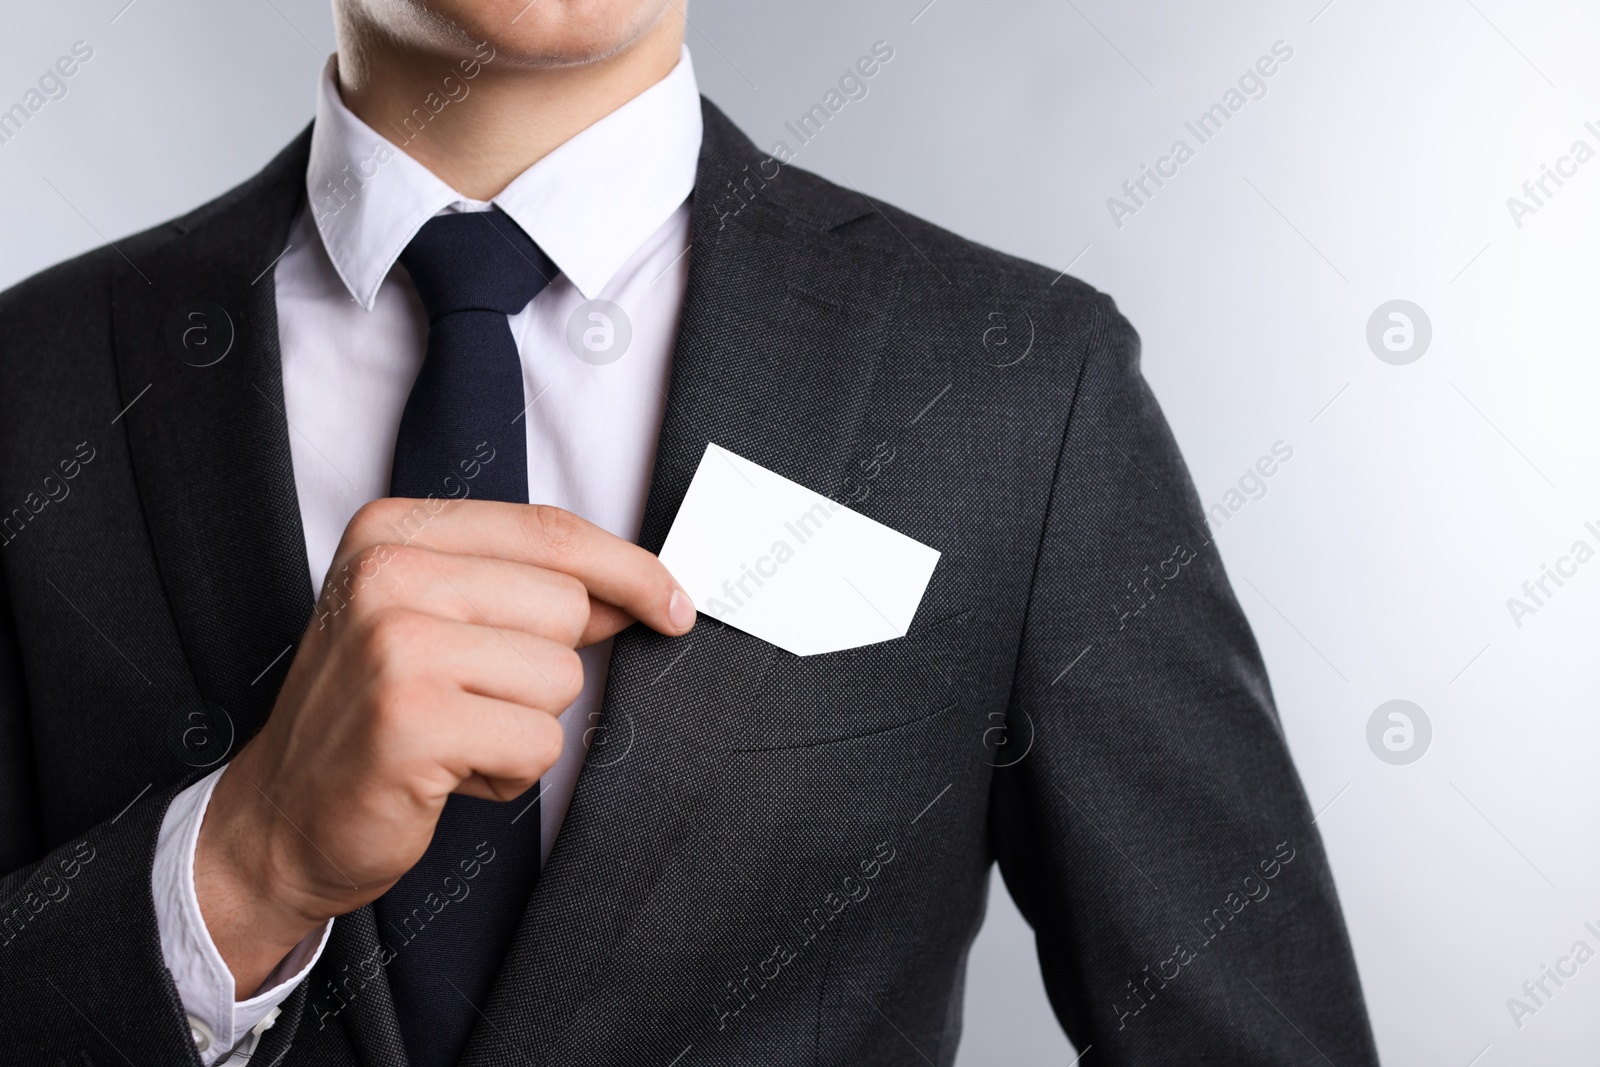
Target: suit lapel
{"x": 777, "y": 346}
{"x": 197, "y": 362}
{"x": 200, "y": 373}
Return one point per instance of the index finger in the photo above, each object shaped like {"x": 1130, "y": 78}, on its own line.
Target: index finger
{"x": 615, "y": 571}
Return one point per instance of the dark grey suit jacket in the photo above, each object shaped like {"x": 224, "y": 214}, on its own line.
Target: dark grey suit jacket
{"x": 769, "y": 859}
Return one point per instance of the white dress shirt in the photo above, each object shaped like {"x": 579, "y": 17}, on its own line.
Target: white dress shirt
{"x": 610, "y": 208}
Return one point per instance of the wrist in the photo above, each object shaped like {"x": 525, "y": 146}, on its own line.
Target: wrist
{"x": 251, "y": 911}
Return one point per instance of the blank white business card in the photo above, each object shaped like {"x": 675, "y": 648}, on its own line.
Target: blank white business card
{"x": 788, "y": 565}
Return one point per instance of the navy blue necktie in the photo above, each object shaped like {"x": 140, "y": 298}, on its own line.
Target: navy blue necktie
{"x": 450, "y": 919}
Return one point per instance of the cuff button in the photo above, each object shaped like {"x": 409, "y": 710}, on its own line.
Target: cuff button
{"x": 201, "y": 1034}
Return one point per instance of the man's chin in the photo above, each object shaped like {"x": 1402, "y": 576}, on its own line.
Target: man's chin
{"x": 524, "y": 34}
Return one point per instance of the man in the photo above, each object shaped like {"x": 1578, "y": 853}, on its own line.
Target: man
{"x": 517, "y": 259}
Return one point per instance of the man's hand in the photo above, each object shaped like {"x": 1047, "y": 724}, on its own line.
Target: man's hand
{"x": 439, "y": 666}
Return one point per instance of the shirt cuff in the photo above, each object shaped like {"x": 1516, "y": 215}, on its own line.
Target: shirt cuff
{"x": 205, "y": 985}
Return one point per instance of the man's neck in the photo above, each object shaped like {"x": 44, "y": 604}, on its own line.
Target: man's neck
{"x": 479, "y": 125}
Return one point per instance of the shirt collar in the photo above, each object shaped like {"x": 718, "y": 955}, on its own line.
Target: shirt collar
{"x": 589, "y": 204}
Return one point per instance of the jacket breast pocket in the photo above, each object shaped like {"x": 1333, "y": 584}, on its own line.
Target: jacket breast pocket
{"x": 818, "y": 700}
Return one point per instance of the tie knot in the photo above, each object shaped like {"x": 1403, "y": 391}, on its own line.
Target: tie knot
{"x": 475, "y": 260}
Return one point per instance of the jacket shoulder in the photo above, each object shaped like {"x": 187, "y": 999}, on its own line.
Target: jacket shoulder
{"x": 965, "y": 270}
{"x": 955, "y": 281}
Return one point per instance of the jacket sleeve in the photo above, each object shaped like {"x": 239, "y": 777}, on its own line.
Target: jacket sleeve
{"x": 1155, "y": 835}
{"x": 82, "y": 977}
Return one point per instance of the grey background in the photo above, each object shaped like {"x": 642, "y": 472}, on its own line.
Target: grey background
{"x": 1419, "y": 497}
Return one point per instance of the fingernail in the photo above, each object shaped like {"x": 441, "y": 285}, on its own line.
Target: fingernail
{"x": 680, "y": 609}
